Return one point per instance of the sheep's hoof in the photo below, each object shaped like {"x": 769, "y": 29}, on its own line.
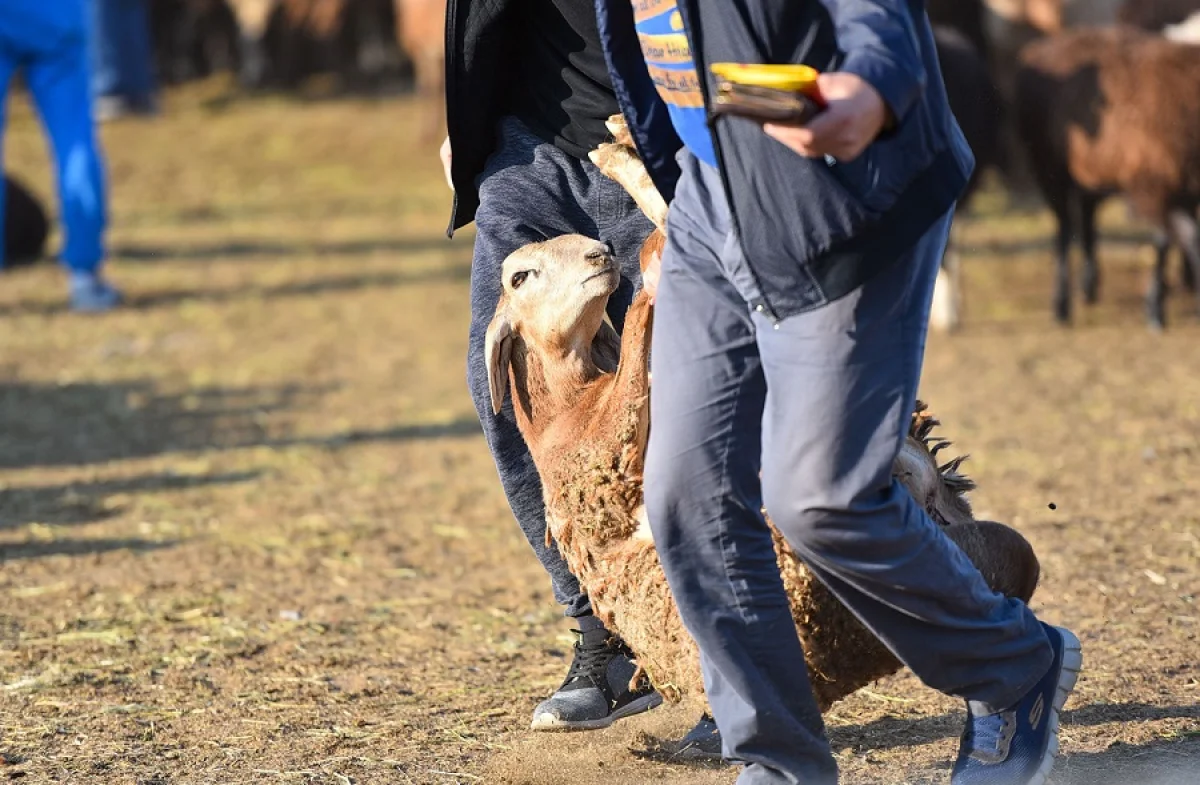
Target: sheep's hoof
{"x": 620, "y": 130}
{"x": 1062, "y": 313}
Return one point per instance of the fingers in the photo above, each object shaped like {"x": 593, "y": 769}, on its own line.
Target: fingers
{"x": 812, "y": 140}
{"x": 833, "y": 133}
{"x": 853, "y": 117}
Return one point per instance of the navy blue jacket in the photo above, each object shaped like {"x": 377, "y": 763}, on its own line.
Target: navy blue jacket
{"x": 812, "y": 230}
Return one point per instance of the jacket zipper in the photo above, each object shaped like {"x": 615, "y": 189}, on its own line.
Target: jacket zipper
{"x": 689, "y": 13}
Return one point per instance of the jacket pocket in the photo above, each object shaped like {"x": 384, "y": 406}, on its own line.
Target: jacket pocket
{"x": 882, "y": 172}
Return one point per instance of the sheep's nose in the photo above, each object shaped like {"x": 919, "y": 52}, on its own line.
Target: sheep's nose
{"x": 600, "y": 252}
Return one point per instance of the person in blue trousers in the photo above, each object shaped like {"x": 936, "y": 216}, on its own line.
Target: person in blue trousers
{"x": 790, "y": 326}
{"x": 123, "y": 80}
{"x": 47, "y": 43}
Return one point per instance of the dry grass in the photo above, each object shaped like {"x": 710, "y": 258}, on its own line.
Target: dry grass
{"x": 250, "y": 532}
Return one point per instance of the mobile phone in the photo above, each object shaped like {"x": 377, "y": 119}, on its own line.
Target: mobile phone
{"x": 763, "y": 104}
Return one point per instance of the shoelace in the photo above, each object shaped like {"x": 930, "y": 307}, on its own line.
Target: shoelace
{"x": 591, "y": 661}
{"x": 990, "y": 736}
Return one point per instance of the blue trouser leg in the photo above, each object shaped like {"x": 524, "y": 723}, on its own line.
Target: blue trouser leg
{"x": 532, "y": 191}
{"x": 821, "y": 405}
{"x": 104, "y": 48}
{"x": 58, "y": 81}
{"x": 120, "y": 50}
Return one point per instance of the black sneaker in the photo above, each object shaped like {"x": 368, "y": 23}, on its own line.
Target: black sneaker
{"x": 596, "y": 691}
{"x": 702, "y": 742}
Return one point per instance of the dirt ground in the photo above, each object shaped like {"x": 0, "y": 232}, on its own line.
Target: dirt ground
{"x": 250, "y": 530}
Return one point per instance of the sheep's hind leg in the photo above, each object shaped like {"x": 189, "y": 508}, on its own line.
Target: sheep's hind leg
{"x": 1157, "y": 291}
{"x": 1062, "y": 291}
{"x": 1187, "y": 275}
{"x": 1187, "y": 235}
{"x": 1087, "y": 227}
{"x": 1063, "y": 205}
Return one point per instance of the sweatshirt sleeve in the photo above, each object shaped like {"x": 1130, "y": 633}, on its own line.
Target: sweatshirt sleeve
{"x": 879, "y": 39}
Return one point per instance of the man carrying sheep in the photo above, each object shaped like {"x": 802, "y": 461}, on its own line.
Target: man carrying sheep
{"x": 527, "y": 95}
{"x": 789, "y": 333}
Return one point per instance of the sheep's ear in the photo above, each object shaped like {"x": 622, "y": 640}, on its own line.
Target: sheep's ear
{"x": 498, "y": 347}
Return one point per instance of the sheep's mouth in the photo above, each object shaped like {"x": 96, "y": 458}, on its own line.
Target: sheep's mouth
{"x": 607, "y": 271}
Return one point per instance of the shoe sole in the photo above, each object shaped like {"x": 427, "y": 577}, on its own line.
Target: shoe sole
{"x": 1072, "y": 663}
{"x": 548, "y": 721}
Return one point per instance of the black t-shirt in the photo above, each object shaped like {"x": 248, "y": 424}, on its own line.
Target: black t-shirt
{"x": 562, "y": 91}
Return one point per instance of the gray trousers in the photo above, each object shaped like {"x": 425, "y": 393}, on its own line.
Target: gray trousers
{"x": 532, "y": 191}
{"x": 821, "y": 405}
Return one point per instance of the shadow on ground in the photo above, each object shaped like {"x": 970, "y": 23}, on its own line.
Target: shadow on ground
{"x": 82, "y": 424}
{"x": 633, "y": 751}
{"x": 80, "y": 503}
{"x": 309, "y": 288}
{"x": 1163, "y": 762}
{"x": 889, "y": 732}
{"x": 271, "y": 251}
{"x": 330, "y": 285}
{"x": 79, "y": 547}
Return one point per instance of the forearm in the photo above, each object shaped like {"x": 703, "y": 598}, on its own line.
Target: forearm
{"x": 879, "y": 39}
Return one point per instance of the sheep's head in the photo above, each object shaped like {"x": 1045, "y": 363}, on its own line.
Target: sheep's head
{"x": 553, "y": 299}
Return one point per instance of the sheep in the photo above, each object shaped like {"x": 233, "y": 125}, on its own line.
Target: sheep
{"x": 252, "y": 18}
{"x": 274, "y": 41}
{"x": 26, "y": 225}
{"x": 1106, "y": 111}
{"x": 975, "y": 100}
{"x": 1187, "y": 31}
{"x": 1156, "y": 15}
{"x": 421, "y": 33}
{"x": 1177, "y": 20}
{"x": 964, "y": 16}
{"x": 1011, "y": 24}
{"x": 192, "y": 38}
{"x": 580, "y": 398}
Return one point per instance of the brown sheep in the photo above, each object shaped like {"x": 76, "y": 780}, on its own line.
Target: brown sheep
{"x": 1156, "y": 15}
{"x": 1011, "y": 24}
{"x": 581, "y": 402}
{"x": 1107, "y": 111}
{"x": 252, "y": 17}
{"x": 421, "y": 34}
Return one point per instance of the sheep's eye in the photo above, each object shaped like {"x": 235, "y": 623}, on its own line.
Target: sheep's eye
{"x": 519, "y": 278}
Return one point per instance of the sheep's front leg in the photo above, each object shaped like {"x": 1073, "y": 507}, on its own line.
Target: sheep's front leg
{"x": 629, "y": 393}
{"x": 634, "y": 367}
{"x": 621, "y": 163}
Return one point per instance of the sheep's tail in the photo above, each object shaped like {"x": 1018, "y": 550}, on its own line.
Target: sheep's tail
{"x": 950, "y": 496}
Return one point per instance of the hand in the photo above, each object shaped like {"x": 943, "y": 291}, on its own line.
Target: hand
{"x": 444, "y": 154}
{"x": 854, "y": 116}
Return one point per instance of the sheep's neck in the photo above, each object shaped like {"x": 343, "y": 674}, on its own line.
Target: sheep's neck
{"x": 549, "y": 385}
